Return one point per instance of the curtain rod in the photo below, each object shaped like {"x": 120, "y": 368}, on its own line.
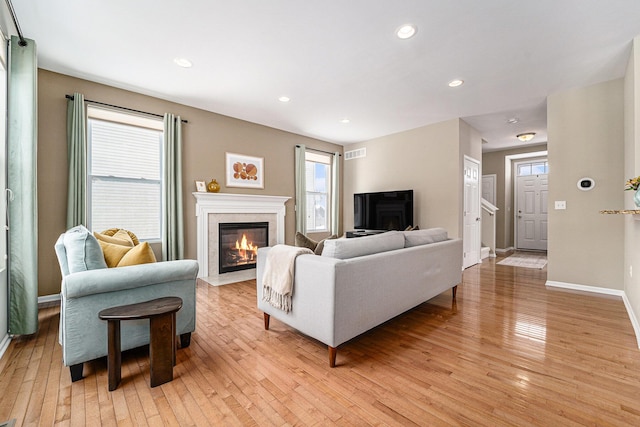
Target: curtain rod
{"x": 320, "y": 151}
{"x": 22, "y": 41}
{"x": 123, "y": 108}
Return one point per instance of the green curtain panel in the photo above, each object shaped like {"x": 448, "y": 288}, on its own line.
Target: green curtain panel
{"x": 77, "y": 161}
{"x": 173, "y": 224}
{"x": 301, "y": 189}
{"x": 21, "y": 179}
{"x": 335, "y": 193}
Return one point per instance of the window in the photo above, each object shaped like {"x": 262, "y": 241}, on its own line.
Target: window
{"x": 124, "y": 183}
{"x": 318, "y": 178}
{"x": 533, "y": 168}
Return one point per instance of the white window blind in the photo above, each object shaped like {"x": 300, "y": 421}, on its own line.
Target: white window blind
{"x": 125, "y": 177}
{"x": 318, "y": 179}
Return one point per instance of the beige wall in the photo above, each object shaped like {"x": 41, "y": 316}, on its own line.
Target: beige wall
{"x": 206, "y": 138}
{"x": 427, "y": 160}
{"x": 631, "y": 270}
{"x": 470, "y": 142}
{"x": 586, "y": 139}
{"x": 493, "y": 163}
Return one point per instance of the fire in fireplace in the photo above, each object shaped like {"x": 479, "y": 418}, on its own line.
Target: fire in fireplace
{"x": 239, "y": 243}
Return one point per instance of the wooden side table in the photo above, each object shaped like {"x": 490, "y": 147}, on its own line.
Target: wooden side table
{"x": 161, "y": 313}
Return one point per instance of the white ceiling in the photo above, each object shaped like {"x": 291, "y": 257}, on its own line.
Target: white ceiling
{"x": 341, "y": 59}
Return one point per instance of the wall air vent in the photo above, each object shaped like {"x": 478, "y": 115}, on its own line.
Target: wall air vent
{"x": 355, "y": 154}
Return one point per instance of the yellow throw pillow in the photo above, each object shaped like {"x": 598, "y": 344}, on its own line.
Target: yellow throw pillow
{"x": 120, "y": 238}
{"x": 140, "y": 254}
{"x": 112, "y": 252}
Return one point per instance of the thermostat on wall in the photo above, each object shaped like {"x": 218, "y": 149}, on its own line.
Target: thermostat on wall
{"x": 586, "y": 184}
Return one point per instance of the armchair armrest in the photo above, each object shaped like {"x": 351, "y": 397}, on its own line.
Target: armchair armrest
{"x": 118, "y": 278}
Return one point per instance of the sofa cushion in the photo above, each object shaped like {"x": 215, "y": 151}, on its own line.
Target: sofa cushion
{"x": 114, "y": 231}
{"x": 83, "y": 250}
{"x": 303, "y": 241}
{"x": 360, "y": 246}
{"x": 121, "y": 237}
{"x": 424, "y": 237}
{"x": 320, "y": 247}
{"x": 139, "y": 254}
{"x": 113, "y": 253}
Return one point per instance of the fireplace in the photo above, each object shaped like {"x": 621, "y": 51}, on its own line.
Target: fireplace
{"x": 238, "y": 244}
{"x": 214, "y": 208}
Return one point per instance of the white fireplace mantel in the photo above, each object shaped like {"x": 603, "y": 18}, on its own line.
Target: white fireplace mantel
{"x": 225, "y": 203}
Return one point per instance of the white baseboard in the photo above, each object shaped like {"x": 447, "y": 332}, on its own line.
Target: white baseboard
{"x": 584, "y": 288}
{"x": 48, "y": 298}
{"x": 606, "y": 291}
{"x": 4, "y": 345}
{"x": 632, "y": 317}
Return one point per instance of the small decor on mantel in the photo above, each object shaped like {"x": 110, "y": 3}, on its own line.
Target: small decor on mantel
{"x": 213, "y": 186}
{"x": 634, "y": 184}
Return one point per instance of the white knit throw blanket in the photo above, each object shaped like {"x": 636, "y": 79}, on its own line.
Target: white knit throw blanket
{"x": 277, "y": 280}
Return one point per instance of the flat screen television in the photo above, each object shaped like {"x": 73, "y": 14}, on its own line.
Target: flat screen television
{"x": 386, "y": 210}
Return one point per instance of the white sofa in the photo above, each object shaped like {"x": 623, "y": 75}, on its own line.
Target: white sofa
{"x": 359, "y": 283}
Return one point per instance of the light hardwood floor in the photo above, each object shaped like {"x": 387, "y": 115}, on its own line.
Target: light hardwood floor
{"x": 508, "y": 352}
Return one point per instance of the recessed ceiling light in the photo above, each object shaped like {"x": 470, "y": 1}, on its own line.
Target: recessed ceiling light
{"x": 183, "y": 62}
{"x": 513, "y": 120}
{"x": 284, "y": 99}
{"x": 525, "y": 137}
{"x": 406, "y": 31}
{"x": 345, "y": 120}
{"x": 456, "y": 83}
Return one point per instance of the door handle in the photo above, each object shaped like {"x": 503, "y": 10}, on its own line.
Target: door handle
{"x": 478, "y": 219}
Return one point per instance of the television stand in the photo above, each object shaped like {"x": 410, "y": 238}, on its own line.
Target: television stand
{"x": 362, "y": 233}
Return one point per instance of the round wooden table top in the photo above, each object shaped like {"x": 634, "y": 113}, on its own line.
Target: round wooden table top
{"x": 142, "y": 310}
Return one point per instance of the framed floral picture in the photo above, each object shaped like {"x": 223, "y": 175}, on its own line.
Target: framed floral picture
{"x": 244, "y": 171}
{"x": 201, "y": 187}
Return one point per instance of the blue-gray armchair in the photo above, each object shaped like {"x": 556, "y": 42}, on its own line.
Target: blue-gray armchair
{"x": 88, "y": 286}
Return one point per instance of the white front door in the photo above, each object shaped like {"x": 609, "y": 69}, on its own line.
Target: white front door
{"x": 531, "y": 211}
{"x": 471, "y": 214}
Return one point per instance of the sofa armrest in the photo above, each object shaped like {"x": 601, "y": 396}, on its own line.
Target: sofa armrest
{"x": 119, "y": 278}
{"x": 313, "y": 298}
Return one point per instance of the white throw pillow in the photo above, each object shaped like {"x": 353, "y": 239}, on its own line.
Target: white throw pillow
{"x": 83, "y": 250}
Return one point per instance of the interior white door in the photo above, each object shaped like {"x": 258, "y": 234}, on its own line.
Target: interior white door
{"x": 531, "y": 212}
{"x": 471, "y": 214}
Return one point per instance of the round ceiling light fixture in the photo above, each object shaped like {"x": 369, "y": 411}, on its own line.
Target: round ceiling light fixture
{"x": 456, "y": 83}
{"x": 284, "y": 99}
{"x": 183, "y": 62}
{"x": 526, "y": 137}
{"x": 406, "y": 31}
{"x": 345, "y": 120}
